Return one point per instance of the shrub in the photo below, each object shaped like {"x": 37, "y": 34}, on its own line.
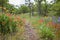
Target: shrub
{"x": 46, "y": 33}
{"x": 7, "y": 24}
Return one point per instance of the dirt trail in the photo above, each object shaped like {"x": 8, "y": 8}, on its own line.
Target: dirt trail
{"x": 29, "y": 33}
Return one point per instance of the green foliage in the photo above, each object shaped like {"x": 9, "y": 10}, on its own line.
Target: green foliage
{"x": 42, "y": 7}
{"x": 10, "y": 8}
{"x": 7, "y": 25}
{"x": 2, "y": 2}
{"x": 56, "y": 8}
{"x": 6, "y": 7}
{"x": 46, "y": 33}
{"x": 23, "y": 9}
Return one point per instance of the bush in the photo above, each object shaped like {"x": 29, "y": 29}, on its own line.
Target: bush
{"x": 7, "y": 24}
{"x": 46, "y": 33}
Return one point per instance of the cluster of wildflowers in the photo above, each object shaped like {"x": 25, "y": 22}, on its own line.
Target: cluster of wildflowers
{"x": 41, "y": 21}
{"x": 50, "y": 21}
{"x": 8, "y": 23}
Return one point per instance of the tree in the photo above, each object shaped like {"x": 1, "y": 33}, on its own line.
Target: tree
{"x": 56, "y": 8}
{"x": 23, "y": 9}
{"x": 30, "y": 5}
{"x": 43, "y": 6}
{"x": 55, "y": 1}
{"x": 32, "y": 9}
{"x": 10, "y": 8}
{"x": 2, "y": 3}
{"x": 46, "y": 7}
{"x": 39, "y": 6}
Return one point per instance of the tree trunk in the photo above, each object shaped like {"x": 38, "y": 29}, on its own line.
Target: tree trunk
{"x": 39, "y": 7}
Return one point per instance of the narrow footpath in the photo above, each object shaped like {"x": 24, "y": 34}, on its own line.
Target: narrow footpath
{"x": 29, "y": 33}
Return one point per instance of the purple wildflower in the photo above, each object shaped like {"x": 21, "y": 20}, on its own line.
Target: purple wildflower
{"x": 54, "y": 19}
{"x": 58, "y": 19}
